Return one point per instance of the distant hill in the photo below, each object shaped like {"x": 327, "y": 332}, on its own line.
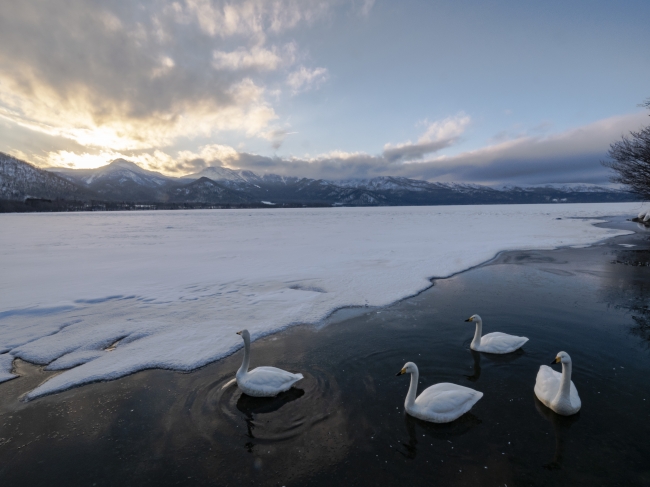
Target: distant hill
{"x": 388, "y": 190}
{"x": 20, "y": 180}
{"x": 124, "y": 181}
{"x": 120, "y": 180}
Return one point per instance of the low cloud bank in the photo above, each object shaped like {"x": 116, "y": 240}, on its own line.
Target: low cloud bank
{"x": 568, "y": 157}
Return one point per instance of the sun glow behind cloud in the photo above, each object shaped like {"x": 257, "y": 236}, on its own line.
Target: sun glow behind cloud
{"x": 119, "y": 77}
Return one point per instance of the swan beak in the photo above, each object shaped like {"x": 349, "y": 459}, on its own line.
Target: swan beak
{"x": 468, "y": 319}
{"x": 555, "y": 360}
{"x": 239, "y": 333}
{"x": 403, "y": 371}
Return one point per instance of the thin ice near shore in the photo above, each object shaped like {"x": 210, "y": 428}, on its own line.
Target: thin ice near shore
{"x": 101, "y": 296}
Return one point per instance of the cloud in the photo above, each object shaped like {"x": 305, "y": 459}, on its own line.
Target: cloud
{"x": 366, "y": 7}
{"x": 438, "y": 136}
{"x": 122, "y": 76}
{"x": 94, "y": 122}
{"x": 256, "y": 58}
{"x": 305, "y": 79}
{"x": 247, "y": 18}
{"x": 277, "y": 136}
{"x": 165, "y": 66}
{"x": 518, "y": 131}
{"x": 566, "y": 157}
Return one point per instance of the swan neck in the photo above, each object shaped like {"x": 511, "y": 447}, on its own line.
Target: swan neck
{"x": 565, "y": 383}
{"x": 413, "y": 389}
{"x": 477, "y": 334}
{"x": 247, "y": 350}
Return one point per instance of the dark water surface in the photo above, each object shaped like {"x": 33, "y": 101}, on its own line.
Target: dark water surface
{"x": 345, "y": 424}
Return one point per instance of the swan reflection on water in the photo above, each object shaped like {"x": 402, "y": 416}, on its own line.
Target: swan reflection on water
{"x": 437, "y": 431}
{"x": 252, "y": 406}
{"x": 497, "y": 359}
{"x": 561, "y": 425}
{"x": 477, "y": 366}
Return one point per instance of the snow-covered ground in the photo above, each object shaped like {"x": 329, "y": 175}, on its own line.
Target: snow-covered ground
{"x": 172, "y": 288}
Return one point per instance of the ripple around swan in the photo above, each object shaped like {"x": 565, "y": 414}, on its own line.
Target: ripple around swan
{"x": 219, "y": 410}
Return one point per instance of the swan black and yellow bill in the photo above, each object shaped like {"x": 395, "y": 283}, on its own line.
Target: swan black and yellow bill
{"x": 239, "y": 333}
{"x": 403, "y": 371}
{"x": 469, "y": 319}
{"x": 556, "y": 360}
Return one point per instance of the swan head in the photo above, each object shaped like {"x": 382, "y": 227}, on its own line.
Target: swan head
{"x": 409, "y": 368}
{"x": 562, "y": 357}
{"x": 474, "y": 318}
{"x": 244, "y": 334}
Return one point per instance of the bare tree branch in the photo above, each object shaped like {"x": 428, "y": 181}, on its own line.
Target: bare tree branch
{"x": 630, "y": 160}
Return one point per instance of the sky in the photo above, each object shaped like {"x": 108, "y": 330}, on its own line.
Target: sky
{"x": 500, "y": 92}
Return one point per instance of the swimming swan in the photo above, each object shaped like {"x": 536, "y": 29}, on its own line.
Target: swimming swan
{"x": 556, "y": 391}
{"x": 494, "y": 342}
{"x": 262, "y": 381}
{"x": 440, "y": 403}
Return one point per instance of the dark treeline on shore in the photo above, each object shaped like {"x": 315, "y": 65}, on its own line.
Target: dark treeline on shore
{"x": 61, "y": 205}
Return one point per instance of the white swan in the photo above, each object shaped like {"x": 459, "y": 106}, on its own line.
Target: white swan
{"x": 495, "y": 342}
{"x": 556, "y": 391}
{"x": 646, "y": 218}
{"x": 262, "y": 381}
{"x": 440, "y": 403}
{"x": 641, "y": 215}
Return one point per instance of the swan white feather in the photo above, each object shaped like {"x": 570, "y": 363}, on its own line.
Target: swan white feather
{"x": 557, "y": 391}
{"x": 262, "y": 381}
{"x": 439, "y": 403}
{"x": 495, "y": 342}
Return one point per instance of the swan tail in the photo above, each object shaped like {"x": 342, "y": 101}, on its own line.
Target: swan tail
{"x": 522, "y": 342}
{"x": 476, "y": 397}
{"x": 229, "y": 383}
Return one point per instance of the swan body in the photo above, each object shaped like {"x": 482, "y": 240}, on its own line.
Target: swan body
{"x": 262, "y": 381}
{"x": 557, "y": 391}
{"x": 495, "y": 342}
{"x": 641, "y": 215}
{"x": 439, "y": 403}
{"x": 646, "y": 218}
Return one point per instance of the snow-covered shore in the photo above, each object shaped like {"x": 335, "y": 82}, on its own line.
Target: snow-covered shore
{"x": 173, "y": 287}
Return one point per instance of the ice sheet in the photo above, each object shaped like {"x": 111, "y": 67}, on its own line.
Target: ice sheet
{"x": 6, "y": 365}
{"x": 173, "y": 287}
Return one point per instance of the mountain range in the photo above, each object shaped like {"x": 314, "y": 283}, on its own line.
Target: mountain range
{"x": 124, "y": 181}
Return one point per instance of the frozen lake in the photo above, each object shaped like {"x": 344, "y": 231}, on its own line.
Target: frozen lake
{"x": 169, "y": 289}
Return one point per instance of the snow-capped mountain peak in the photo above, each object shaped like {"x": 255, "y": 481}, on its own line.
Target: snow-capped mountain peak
{"x": 220, "y": 173}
